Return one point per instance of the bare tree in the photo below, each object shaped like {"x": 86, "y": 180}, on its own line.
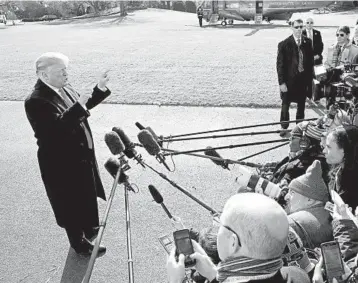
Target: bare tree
{"x": 123, "y": 8}
{"x": 99, "y": 5}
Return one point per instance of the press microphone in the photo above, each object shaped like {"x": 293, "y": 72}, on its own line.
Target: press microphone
{"x": 139, "y": 126}
{"x": 151, "y": 146}
{"x": 158, "y": 139}
{"x": 112, "y": 165}
{"x": 114, "y": 143}
{"x": 129, "y": 150}
{"x": 116, "y": 146}
{"x": 159, "y": 199}
{"x": 251, "y": 182}
{"x": 213, "y": 153}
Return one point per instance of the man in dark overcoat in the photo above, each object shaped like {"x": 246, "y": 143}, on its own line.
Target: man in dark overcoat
{"x": 295, "y": 72}
{"x": 316, "y": 38}
{"x": 58, "y": 115}
{"x": 200, "y": 14}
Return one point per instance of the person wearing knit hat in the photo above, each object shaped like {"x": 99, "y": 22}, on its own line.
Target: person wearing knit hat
{"x": 306, "y": 143}
{"x": 304, "y": 149}
{"x": 307, "y": 197}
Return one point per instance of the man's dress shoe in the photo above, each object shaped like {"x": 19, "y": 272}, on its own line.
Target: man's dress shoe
{"x": 85, "y": 248}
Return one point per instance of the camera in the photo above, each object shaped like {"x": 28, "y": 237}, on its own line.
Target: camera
{"x": 336, "y": 83}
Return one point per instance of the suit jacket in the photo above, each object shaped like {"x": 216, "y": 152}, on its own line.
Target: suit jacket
{"x": 287, "y": 68}
{"x": 317, "y": 45}
{"x": 67, "y": 163}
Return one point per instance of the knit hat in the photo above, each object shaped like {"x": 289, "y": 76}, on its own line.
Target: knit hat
{"x": 295, "y": 254}
{"x": 311, "y": 184}
{"x": 305, "y": 134}
{"x": 314, "y": 132}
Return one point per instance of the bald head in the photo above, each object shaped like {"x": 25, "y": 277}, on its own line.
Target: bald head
{"x": 309, "y": 23}
{"x": 260, "y": 222}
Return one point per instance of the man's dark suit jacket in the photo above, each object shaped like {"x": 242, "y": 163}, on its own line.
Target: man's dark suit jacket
{"x": 317, "y": 45}
{"x": 68, "y": 165}
{"x": 287, "y": 68}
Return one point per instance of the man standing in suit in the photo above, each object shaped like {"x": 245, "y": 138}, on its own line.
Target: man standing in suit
{"x": 200, "y": 14}
{"x": 317, "y": 44}
{"x": 316, "y": 39}
{"x": 295, "y": 72}
{"x": 58, "y": 115}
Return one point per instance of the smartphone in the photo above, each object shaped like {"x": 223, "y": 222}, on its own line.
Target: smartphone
{"x": 332, "y": 259}
{"x": 167, "y": 243}
{"x": 184, "y": 246}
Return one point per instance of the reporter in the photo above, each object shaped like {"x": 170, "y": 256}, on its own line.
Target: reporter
{"x": 343, "y": 51}
{"x": 341, "y": 151}
{"x": 298, "y": 160}
{"x": 250, "y": 245}
{"x": 307, "y": 196}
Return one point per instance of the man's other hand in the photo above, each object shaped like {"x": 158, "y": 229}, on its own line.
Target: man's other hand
{"x": 283, "y": 87}
{"x": 204, "y": 265}
{"x": 316, "y": 57}
{"x": 103, "y": 80}
{"x": 175, "y": 270}
{"x": 84, "y": 97}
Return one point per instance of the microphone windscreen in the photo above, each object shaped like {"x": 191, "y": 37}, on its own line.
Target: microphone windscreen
{"x": 125, "y": 139}
{"x": 129, "y": 150}
{"x": 213, "y": 153}
{"x": 149, "y": 143}
{"x": 153, "y": 134}
{"x": 155, "y": 194}
{"x": 112, "y": 165}
{"x": 114, "y": 143}
{"x": 139, "y": 126}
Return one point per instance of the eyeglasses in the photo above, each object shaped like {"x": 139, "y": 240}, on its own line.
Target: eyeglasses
{"x": 297, "y": 27}
{"x": 340, "y": 34}
{"x": 309, "y": 23}
{"x": 218, "y": 221}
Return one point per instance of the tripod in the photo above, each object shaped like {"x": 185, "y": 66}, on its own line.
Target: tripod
{"x": 120, "y": 178}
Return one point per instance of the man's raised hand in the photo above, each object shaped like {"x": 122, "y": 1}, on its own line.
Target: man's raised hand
{"x": 103, "y": 80}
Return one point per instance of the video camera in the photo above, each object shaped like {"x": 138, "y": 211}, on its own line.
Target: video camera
{"x": 340, "y": 82}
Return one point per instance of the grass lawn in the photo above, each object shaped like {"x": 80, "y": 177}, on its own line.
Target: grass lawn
{"x": 157, "y": 57}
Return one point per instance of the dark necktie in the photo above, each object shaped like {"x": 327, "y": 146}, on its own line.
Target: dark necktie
{"x": 300, "y": 56}
{"x": 69, "y": 100}
{"x": 65, "y": 97}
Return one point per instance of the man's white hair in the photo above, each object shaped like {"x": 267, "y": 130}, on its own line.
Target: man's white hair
{"x": 49, "y": 59}
{"x": 260, "y": 222}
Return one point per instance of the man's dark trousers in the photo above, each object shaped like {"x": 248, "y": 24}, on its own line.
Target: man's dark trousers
{"x": 300, "y": 89}
{"x": 285, "y": 115}
{"x": 200, "y": 21}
